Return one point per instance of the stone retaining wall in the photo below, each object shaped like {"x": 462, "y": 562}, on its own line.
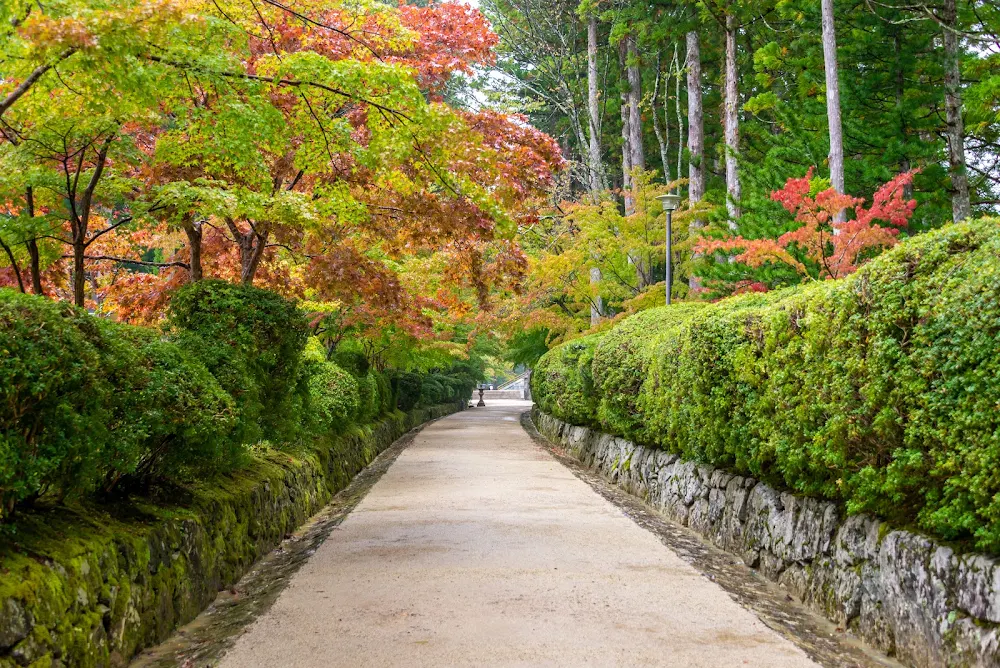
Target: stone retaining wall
{"x": 899, "y": 591}
{"x": 85, "y": 588}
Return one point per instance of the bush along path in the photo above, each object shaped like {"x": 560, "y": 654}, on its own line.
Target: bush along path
{"x": 143, "y": 470}
{"x": 879, "y": 393}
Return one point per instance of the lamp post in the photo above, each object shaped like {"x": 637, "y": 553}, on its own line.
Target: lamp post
{"x": 670, "y": 202}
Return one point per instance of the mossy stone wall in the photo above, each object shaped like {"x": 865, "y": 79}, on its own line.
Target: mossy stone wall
{"x": 91, "y": 586}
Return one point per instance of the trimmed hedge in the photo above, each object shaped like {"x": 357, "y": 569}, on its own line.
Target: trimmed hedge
{"x": 881, "y": 390}
{"x": 252, "y": 342}
{"x": 562, "y": 382}
{"x": 89, "y": 405}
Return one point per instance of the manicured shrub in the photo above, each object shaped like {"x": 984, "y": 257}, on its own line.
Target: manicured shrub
{"x": 168, "y": 416}
{"x": 385, "y": 397}
{"x": 562, "y": 382}
{"x": 880, "y": 390}
{"x": 432, "y": 391}
{"x": 621, "y": 364}
{"x": 252, "y": 341}
{"x": 333, "y": 398}
{"x": 406, "y": 388}
{"x": 369, "y": 401}
{"x": 53, "y": 398}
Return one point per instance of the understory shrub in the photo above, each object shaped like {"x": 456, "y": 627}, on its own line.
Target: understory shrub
{"x": 562, "y": 382}
{"x": 53, "y": 408}
{"x": 880, "y": 391}
{"x": 252, "y": 342}
{"x": 432, "y": 390}
{"x": 168, "y": 416}
{"x": 333, "y": 398}
{"x": 406, "y": 388}
{"x": 90, "y": 405}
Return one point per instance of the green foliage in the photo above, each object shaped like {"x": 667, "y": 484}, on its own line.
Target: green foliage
{"x": 433, "y": 391}
{"x": 168, "y": 416}
{"x": 52, "y": 397}
{"x": 252, "y": 341}
{"x": 621, "y": 362}
{"x": 333, "y": 398}
{"x": 879, "y": 390}
{"x": 563, "y": 384}
{"x": 527, "y": 346}
{"x": 406, "y": 388}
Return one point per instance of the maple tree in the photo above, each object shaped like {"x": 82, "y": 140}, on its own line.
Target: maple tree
{"x": 821, "y": 246}
{"x": 305, "y": 149}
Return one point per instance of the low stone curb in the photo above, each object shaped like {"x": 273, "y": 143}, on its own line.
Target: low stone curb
{"x": 900, "y": 592}
{"x": 116, "y": 586}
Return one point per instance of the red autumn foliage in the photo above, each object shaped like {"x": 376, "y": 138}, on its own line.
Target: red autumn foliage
{"x": 833, "y": 247}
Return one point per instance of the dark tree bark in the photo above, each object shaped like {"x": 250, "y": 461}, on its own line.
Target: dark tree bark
{"x": 194, "y": 235}
{"x": 33, "y": 254}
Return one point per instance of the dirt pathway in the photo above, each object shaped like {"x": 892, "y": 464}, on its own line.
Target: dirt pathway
{"x": 478, "y": 548}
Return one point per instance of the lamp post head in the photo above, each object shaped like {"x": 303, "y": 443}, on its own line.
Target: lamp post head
{"x": 670, "y": 201}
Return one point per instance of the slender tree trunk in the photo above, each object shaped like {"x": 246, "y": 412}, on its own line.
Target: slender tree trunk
{"x": 833, "y": 103}
{"x": 33, "y": 254}
{"x": 662, "y": 132}
{"x": 251, "y": 244}
{"x": 638, "y": 156}
{"x": 696, "y": 139}
{"x": 35, "y": 267}
{"x": 597, "y": 181}
{"x": 696, "y": 121}
{"x": 732, "y": 123}
{"x": 194, "y": 237}
{"x": 626, "y": 140}
{"x": 251, "y": 264}
{"x": 677, "y": 68}
{"x": 904, "y": 163}
{"x": 79, "y": 273}
{"x": 597, "y": 305}
{"x": 960, "y": 202}
{"x": 13, "y": 265}
{"x": 634, "y": 112}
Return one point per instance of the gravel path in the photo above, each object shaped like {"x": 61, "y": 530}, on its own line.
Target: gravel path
{"x": 477, "y": 548}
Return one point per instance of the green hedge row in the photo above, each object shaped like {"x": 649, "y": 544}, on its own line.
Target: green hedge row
{"x": 881, "y": 390}
{"x": 89, "y": 405}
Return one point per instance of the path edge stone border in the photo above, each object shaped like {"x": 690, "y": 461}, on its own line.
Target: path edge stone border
{"x": 900, "y": 592}
{"x": 128, "y": 587}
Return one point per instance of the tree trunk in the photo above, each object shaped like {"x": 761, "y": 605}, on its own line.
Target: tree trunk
{"x": 194, "y": 236}
{"x": 13, "y": 265}
{"x": 597, "y": 305}
{"x": 833, "y": 103}
{"x": 662, "y": 132}
{"x": 35, "y": 265}
{"x": 634, "y": 99}
{"x": 597, "y": 181}
{"x": 904, "y": 163}
{"x": 696, "y": 139}
{"x": 677, "y": 68}
{"x": 79, "y": 273}
{"x": 732, "y": 124}
{"x": 960, "y": 203}
{"x": 251, "y": 244}
{"x": 696, "y": 122}
{"x": 626, "y": 150}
